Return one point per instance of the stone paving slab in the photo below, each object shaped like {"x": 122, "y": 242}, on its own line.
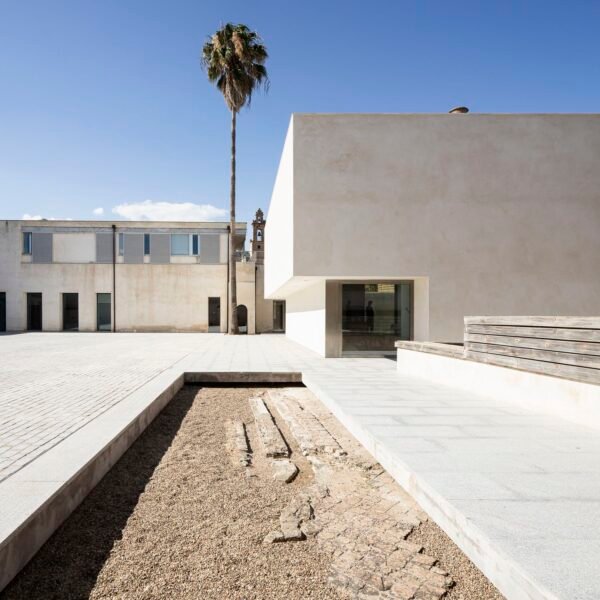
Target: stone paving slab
{"x": 514, "y": 489}
{"x": 274, "y": 445}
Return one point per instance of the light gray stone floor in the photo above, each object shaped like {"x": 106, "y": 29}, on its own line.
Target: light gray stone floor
{"x": 519, "y": 491}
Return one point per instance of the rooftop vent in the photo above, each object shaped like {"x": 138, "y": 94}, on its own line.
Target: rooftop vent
{"x": 459, "y": 110}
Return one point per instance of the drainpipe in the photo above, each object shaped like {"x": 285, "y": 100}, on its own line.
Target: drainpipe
{"x": 255, "y": 299}
{"x": 114, "y": 274}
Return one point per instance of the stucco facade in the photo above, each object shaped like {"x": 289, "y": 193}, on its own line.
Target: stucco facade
{"x": 484, "y": 214}
{"x": 154, "y": 291}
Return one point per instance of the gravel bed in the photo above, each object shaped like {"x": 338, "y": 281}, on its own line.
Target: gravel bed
{"x": 175, "y": 519}
{"x": 469, "y": 582}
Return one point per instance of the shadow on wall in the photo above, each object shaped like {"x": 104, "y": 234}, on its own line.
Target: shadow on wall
{"x": 68, "y": 564}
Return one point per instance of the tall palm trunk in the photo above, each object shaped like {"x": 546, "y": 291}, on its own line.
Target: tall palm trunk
{"x": 233, "y": 318}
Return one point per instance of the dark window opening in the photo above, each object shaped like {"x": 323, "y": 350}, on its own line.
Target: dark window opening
{"x": 195, "y": 244}
{"x": 34, "y": 311}
{"x": 214, "y": 314}
{"x": 146, "y": 244}
{"x": 2, "y": 311}
{"x": 70, "y": 307}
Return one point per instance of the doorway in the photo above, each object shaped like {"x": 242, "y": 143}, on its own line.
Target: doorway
{"x": 2, "y": 311}
{"x": 279, "y": 316}
{"x": 70, "y": 306}
{"x": 242, "y": 315}
{"x": 214, "y": 314}
{"x": 34, "y": 311}
{"x": 103, "y": 312}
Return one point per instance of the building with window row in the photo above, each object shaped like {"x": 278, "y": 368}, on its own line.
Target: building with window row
{"x": 130, "y": 276}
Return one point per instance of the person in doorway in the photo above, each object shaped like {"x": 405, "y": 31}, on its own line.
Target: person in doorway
{"x": 370, "y": 314}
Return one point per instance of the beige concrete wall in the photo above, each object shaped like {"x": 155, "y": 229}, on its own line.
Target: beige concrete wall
{"x": 149, "y": 297}
{"x": 264, "y": 307}
{"x": 246, "y": 294}
{"x": 168, "y": 297}
{"x": 499, "y": 214}
{"x": 74, "y": 247}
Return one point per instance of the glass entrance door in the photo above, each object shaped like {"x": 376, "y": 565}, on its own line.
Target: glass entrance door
{"x": 103, "y": 312}
{"x": 375, "y": 316}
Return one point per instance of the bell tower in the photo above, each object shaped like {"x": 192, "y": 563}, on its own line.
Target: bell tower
{"x": 258, "y": 236}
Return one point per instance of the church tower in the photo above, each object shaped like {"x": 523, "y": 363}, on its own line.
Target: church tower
{"x": 258, "y": 237}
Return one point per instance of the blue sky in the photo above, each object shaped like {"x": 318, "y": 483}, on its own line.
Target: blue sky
{"x": 103, "y": 104}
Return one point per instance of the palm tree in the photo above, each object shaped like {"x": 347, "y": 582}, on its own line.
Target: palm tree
{"x": 234, "y": 58}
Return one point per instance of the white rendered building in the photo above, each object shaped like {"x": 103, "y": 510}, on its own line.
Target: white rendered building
{"x": 129, "y": 276}
{"x": 395, "y": 226}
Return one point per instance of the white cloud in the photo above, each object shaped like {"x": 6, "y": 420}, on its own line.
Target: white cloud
{"x": 98, "y": 211}
{"x": 148, "y": 210}
{"x": 28, "y": 217}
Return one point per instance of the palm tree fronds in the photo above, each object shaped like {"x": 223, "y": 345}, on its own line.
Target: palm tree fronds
{"x": 233, "y": 58}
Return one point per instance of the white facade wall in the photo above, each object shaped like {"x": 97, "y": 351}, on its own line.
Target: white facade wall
{"x": 488, "y": 214}
{"x": 279, "y": 229}
{"x": 305, "y": 317}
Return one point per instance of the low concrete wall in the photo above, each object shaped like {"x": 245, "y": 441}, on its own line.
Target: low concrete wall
{"x": 575, "y": 401}
{"x": 46, "y": 492}
{"x": 39, "y": 498}
{"x": 243, "y": 377}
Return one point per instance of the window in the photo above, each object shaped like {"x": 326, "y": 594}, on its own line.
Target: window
{"x": 146, "y": 244}
{"x": 195, "y": 244}
{"x": 121, "y": 244}
{"x": 27, "y": 242}
{"x": 180, "y": 244}
{"x": 375, "y": 315}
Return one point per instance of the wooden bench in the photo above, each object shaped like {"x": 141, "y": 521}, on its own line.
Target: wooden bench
{"x": 567, "y": 347}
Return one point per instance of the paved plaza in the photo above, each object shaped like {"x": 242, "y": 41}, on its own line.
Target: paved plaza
{"x": 51, "y": 385}
{"x": 518, "y": 491}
